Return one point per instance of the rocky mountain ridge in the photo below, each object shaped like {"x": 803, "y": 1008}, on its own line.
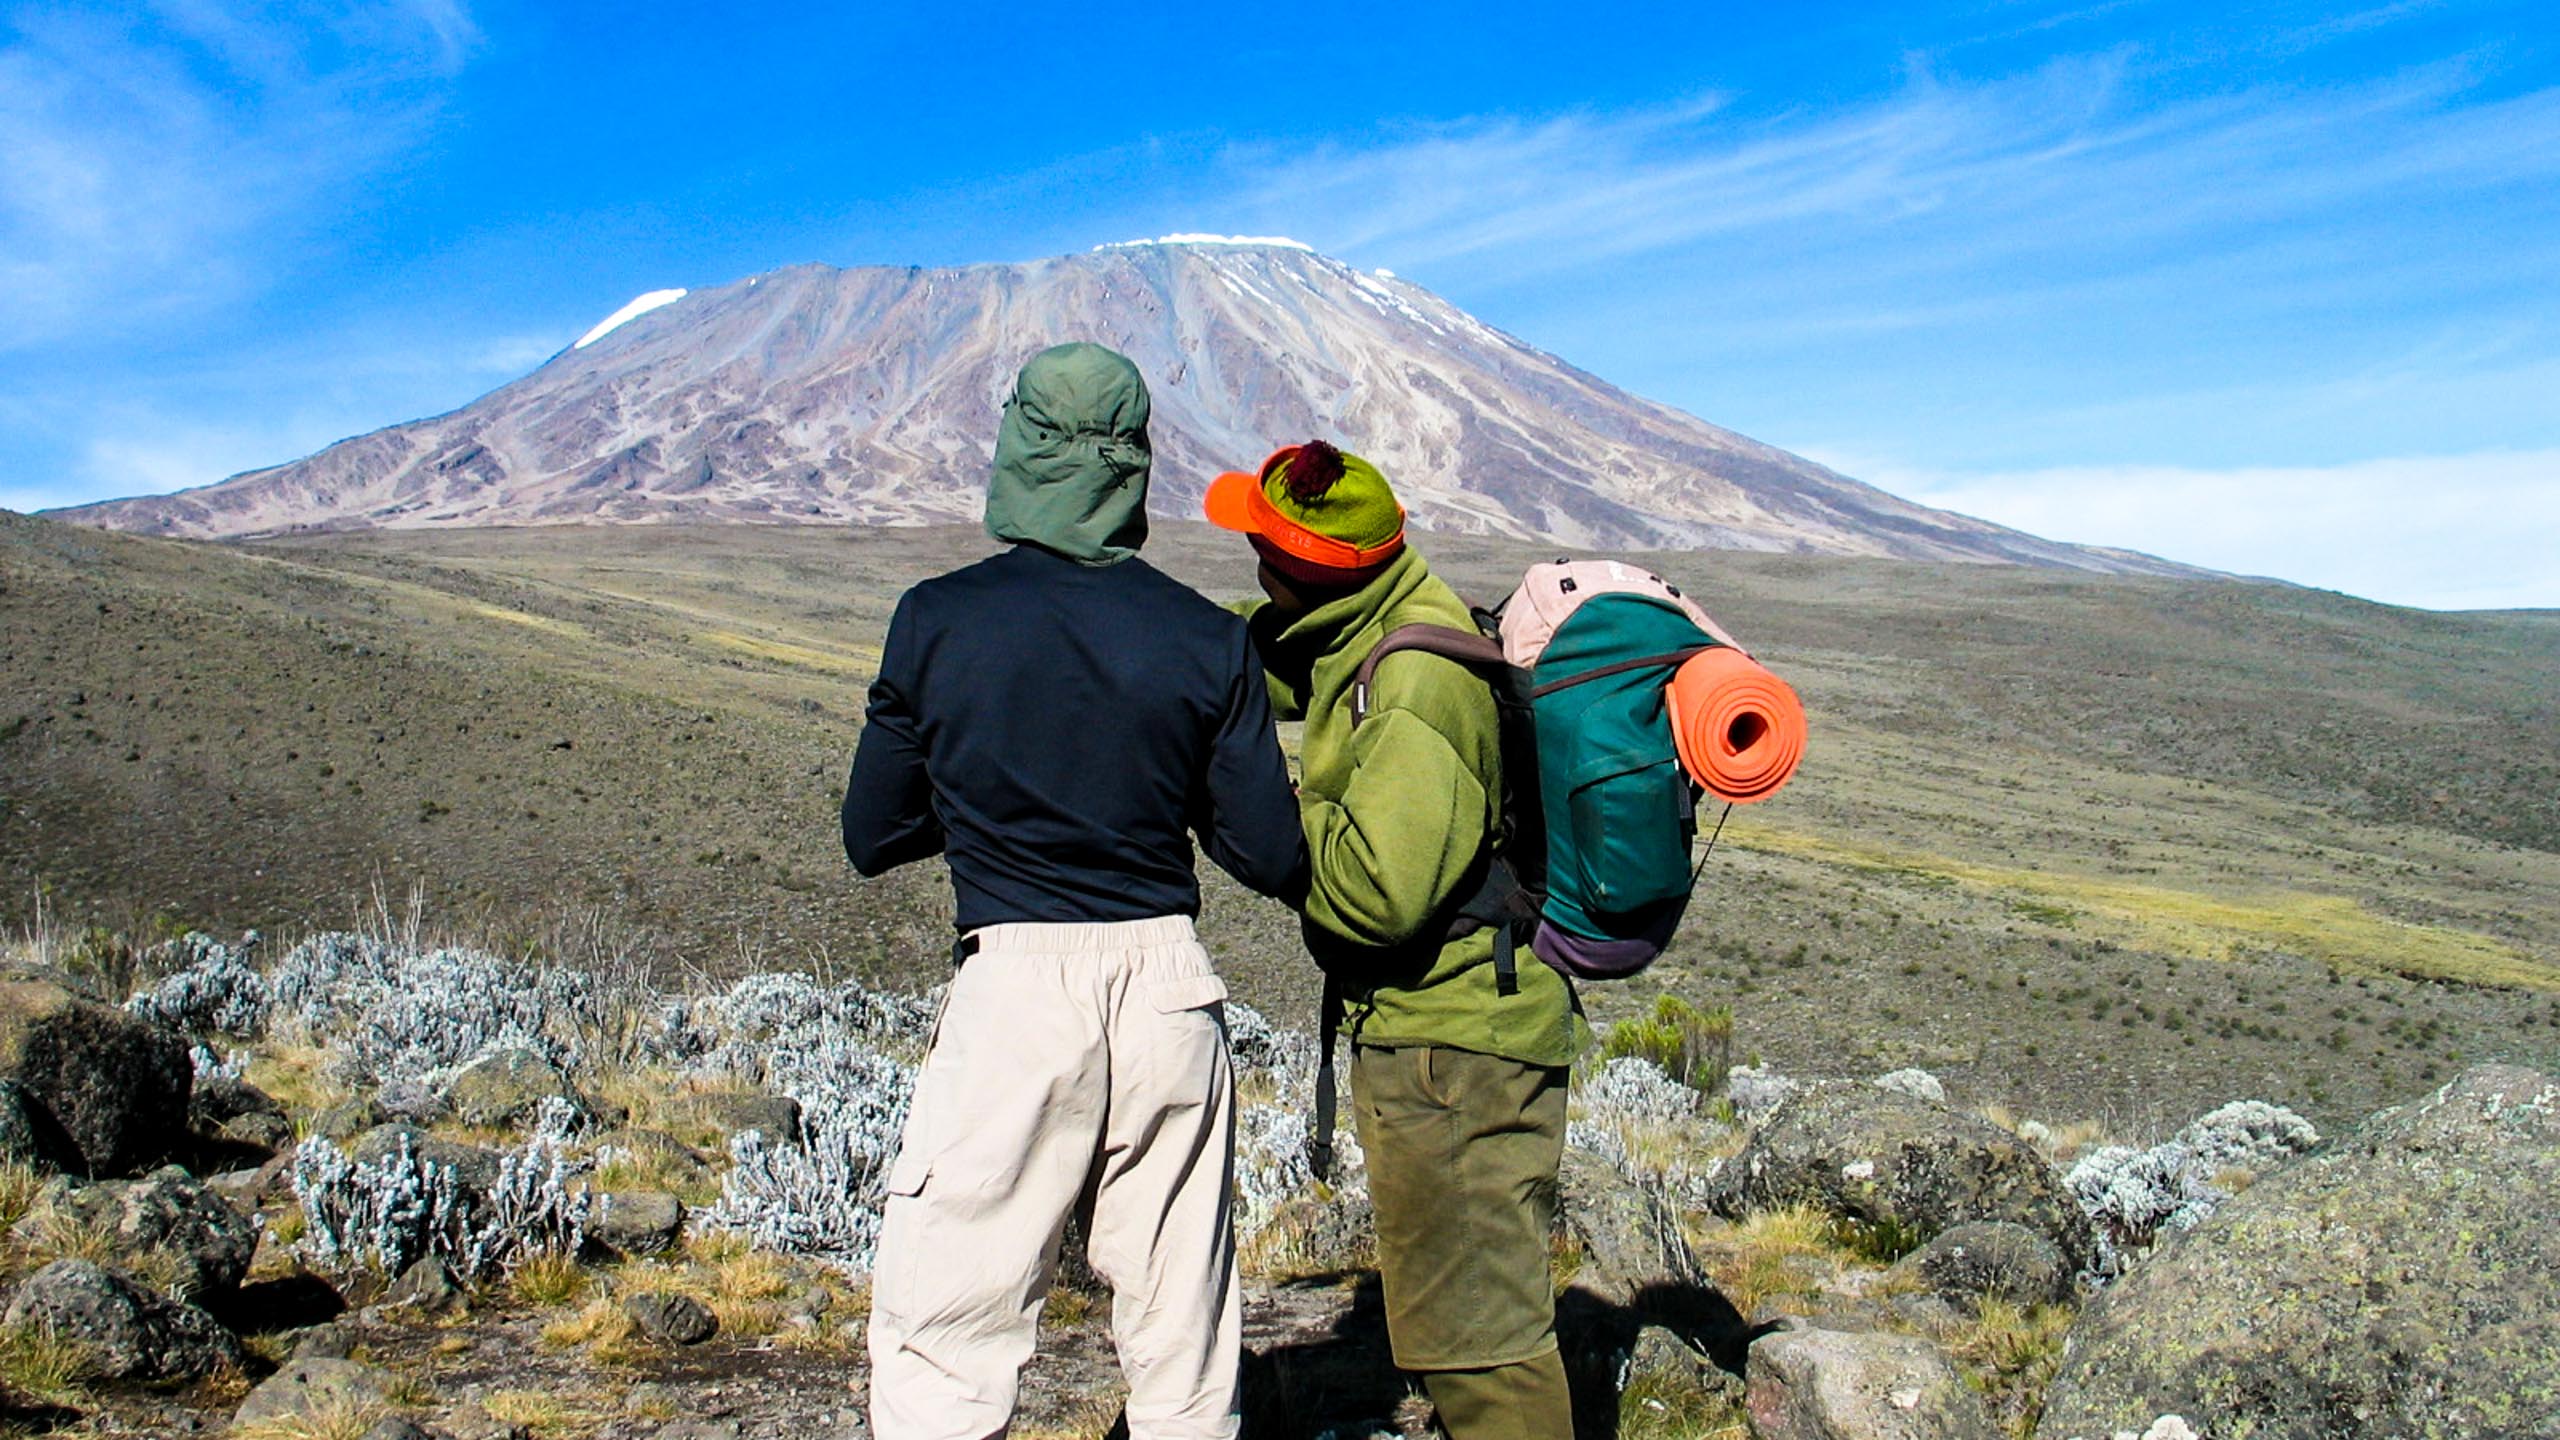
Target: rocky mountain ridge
{"x": 868, "y": 396}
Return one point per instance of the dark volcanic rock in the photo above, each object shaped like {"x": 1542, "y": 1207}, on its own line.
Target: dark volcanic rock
{"x": 124, "y": 1331}
{"x": 168, "y": 1211}
{"x": 427, "y": 1285}
{"x": 474, "y": 1168}
{"x": 505, "y": 1088}
{"x": 117, "y": 1086}
{"x": 1889, "y": 1159}
{"x": 2399, "y": 1284}
{"x": 30, "y": 1135}
{"x": 734, "y": 1113}
{"x": 1991, "y": 1260}
{"x": 637, "y": 1222}
{"x": 313, "y": 1387}
{"x": 671, "y": 1318}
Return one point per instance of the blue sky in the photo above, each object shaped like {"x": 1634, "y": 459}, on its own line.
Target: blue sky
{"x": 2272, "y": 287}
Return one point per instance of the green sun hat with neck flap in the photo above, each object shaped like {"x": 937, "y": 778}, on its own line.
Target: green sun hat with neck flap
{"x": 1072, "y": 457}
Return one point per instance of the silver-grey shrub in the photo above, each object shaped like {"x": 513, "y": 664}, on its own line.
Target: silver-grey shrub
{"x": 820, "y": 1197}
{"x": 1646, "y": 1126}
{"x": 391, "y": 1212}
{"x": 2137, "y": 1196}
{"x": 393, "y": 1013}
{"x": 214, "y": 990}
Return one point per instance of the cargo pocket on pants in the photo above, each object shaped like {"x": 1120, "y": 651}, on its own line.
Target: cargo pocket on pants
{"x": 1189, "y": 992}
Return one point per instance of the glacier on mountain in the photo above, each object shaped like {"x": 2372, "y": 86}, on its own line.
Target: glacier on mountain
{"x": 639, "y": 306}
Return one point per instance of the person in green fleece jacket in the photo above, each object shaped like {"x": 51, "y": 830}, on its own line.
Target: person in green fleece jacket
{"x": 1458, "y": 1088}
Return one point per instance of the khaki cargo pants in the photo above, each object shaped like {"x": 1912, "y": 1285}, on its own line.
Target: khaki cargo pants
{"x": 1462, "y": 1151}
{"x": 1071, "y": 1061}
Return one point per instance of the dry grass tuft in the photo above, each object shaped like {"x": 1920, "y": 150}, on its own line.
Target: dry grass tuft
{"x": 21, "y": 1185}
{"x": 339, "y": 1418}
{"x": 603, "y": 1329}
{"x": 2011, "y": 1352}
{"x": 549, "y": 1281}
{"x": 548, "y": 1414}
{"x": 40, "y": 1361}
{"x": 1792, "y": 1251}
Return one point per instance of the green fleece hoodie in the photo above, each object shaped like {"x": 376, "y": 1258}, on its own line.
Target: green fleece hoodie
{"x": 1397, "y": 814}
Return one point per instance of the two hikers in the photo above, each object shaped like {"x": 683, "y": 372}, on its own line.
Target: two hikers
{"x": 1459, "y": 1063}
{"x": 1058, "y": 721}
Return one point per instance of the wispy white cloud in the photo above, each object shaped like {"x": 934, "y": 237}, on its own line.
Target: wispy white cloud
{"x": 2071, "y": 159}
{"x": 2447, "y": 532}
{"x": 158, "y": 154}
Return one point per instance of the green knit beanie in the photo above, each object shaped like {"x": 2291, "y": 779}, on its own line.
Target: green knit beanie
{"x": 1335, "y": 494}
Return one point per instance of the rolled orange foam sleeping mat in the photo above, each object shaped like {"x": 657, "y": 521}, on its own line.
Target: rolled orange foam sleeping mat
{"x": 1740, "y": 730}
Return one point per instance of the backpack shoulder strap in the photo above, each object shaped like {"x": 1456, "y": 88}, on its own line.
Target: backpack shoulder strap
{"x": 1442, "y": 640}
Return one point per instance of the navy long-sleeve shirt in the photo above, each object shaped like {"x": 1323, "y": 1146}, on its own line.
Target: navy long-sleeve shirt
{"x": 1060, "y": 731}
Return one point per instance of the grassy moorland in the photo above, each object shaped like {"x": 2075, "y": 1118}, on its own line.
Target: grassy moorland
{"x": 2103, "y": 847}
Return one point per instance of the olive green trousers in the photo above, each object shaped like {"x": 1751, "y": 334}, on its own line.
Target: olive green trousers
{"x": 1462, "y": 1153}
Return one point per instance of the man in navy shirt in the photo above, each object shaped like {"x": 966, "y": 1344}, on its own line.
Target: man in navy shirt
{"x": 1059, "y": 721}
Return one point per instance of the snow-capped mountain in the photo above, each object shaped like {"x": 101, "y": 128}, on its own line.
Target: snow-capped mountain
{"x": 869, "y": 396}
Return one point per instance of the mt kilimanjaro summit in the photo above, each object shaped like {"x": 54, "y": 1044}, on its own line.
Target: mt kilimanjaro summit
{"x": 814, "y": 395}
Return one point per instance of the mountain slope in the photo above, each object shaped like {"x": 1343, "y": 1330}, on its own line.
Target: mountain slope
{"x": 868, "y": 396}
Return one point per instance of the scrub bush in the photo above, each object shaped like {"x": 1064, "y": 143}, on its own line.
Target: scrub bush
{"x": 213, "y": 989}
{"x": 390, "y": 1213}
{"x": 1690, "y": 1045}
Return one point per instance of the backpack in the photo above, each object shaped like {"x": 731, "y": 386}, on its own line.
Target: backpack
{"x": 1589, "y": 865}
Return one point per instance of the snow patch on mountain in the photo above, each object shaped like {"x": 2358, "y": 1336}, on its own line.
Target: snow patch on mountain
{"x": 640, "y": 306}
{"x": 1279, "y": 242}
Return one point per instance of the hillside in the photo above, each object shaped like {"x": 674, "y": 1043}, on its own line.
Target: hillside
{"x": 2127, "y": 841}
{"x": 815, "y": 395}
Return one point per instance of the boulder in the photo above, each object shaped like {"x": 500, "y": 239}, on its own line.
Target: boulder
{"x": 220, "y": 1099}
{"x": 310, "y": 1388}
{"x": 116, "y": 1085}
{"x": 1630, "y": 1241}
{"x": 1990, "y": 1259}
{"x": 347, "y": 1121}
{"x": 505, "y": 1088}
{"x": 168, "y": 1212}
{"x": 1661, "y": 1366}
{"x": 636, "y": 1222}
{"x": 123, "y": 1331}
{"x": 734, "y": 1112}
{"x": 1896, "y": 1161}
{"x": 1839, "y": 1385}
{"x": 30, "y": 1135}
{"x": 2396, "y": 1284}
{"x": 474, "y": 1169}
{"x": 272, "y": 1134}
{"x": 671, "y": 1318}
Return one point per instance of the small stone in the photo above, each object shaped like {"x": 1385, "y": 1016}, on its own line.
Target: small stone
{"x": 324, "y": 1342}
{"x": 699, "y": 1430}
{"x": 671, "y": 1318}
{"x": 397, "y": 1428}
{"x": 312, "y": 1387}
{"x": 734, "y": 1113}
{"x": 427, "y": 1286}
{"x": 347, "y": 1121}
{"x": 637, "y": 1222}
